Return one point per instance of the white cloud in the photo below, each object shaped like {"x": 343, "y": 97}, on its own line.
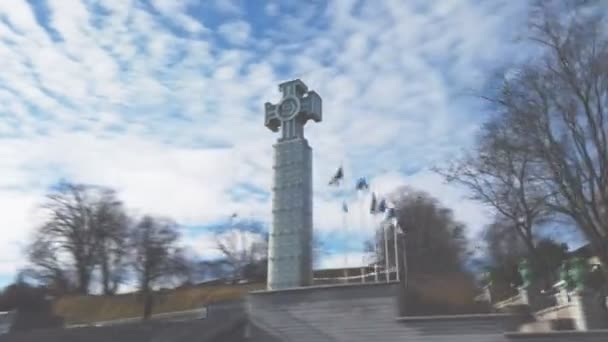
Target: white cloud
{"x": 173, "y": 120}
{"x": 235, "y": 32}
{"x": 144, "y": 172}
{"x": 176, "y": 11}
{"x": 20, "y": 212}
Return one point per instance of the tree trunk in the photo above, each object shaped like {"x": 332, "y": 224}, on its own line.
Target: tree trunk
{"x": 83, "y": 281}
{"x": 148, "y": 303}
{"x": 105, "y": 277}
{"x": 547, "y": 274}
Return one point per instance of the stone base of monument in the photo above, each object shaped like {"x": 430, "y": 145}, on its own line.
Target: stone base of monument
{"x": 359, "y": 312}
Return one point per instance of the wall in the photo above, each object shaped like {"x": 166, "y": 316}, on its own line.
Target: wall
{"x": 224, "y": 322}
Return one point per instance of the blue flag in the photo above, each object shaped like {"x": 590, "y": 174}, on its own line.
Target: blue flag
{"x": 382, "y": 206}
{"x": 337, "y": 178}
{"x": 362, "y": 184}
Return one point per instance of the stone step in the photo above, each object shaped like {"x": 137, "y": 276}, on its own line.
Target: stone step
{"x": 547, "y": 326}
{"x": 559, "y": 336}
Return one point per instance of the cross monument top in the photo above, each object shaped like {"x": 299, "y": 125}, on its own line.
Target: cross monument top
{"x": 297, "y": 106}
{"x": 290, "y": 238}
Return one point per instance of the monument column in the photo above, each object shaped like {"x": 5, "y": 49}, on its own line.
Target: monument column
{"x": 290, "y": 243}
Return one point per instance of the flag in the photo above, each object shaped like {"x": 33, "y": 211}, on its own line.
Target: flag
{"x": 374, "y": 205}
{"x": 382, "y": 206}
{"x": 337, "y": 178}
{"x": 344, "y": 207}
{"x": 362, "y": 184}
{"x": 390, "y": 213}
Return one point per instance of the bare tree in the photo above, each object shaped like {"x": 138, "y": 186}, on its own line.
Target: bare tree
{"x": 503, "y": 245}
{"x": 504, "y": 174}
{"x": 157, "y": 257}
{"x": 433, "y": 246}
{"x": 244, "y": 249}
{"x": 435, "y": 241}
{"x": 504, "y": 250}
{"x": 67, "y": 237}
{"x": 46, "y": 268}
{"x": 111, "y": 225}
{"x": 556, "y": 106}
{"x": 85, "y": 228}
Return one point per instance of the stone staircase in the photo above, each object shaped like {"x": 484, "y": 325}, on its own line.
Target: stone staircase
{"x": 343, "y": 313}
{"x": 287, "y": 327}
{"x": 361, "y": 313}
{"x": 367, "y": 312}
{"x": 559, "y": 336}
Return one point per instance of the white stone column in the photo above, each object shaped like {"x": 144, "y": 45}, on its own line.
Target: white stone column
{"x": 290, "y": 242}
{"x": 290, "y": 245}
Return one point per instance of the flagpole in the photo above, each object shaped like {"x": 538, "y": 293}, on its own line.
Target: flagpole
{"x": 344, "y": 220}
{"x": 395, "y": 226}
{"x": 367, "y": 222}
{"x": 386, "y": 265}
{"x": 345, "y": 228}
{"x": 377, "y": 233}
{"x": 345, "y": 225}
{"x": 337, "y": 179}
{"x": 361, "y": 209}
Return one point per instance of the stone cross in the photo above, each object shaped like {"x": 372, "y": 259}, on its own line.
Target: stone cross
{"x": 290, "y": 241}
{"x": 297, "y": 106}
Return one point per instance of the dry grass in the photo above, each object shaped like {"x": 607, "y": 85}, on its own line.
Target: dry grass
{"x": 86, "y": 309}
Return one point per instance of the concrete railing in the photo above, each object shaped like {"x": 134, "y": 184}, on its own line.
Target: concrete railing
{"x": 363, "y": 276}
{"x": 515, "y": 300}
{"x": 462, "y": 325}
{"x": 555, "y": 312}
{"x": 536, "y": 300}
{"x": 199, "y": 313}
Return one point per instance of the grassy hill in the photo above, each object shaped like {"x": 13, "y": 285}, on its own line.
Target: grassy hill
{"x": 87, "y": 309}
{"x": 428, "y": 294}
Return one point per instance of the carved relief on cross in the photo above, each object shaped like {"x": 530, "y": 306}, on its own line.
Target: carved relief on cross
{"x": 297, "y": 106}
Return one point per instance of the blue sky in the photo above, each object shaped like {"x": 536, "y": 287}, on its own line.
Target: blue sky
{"x": 163, "y": 101}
